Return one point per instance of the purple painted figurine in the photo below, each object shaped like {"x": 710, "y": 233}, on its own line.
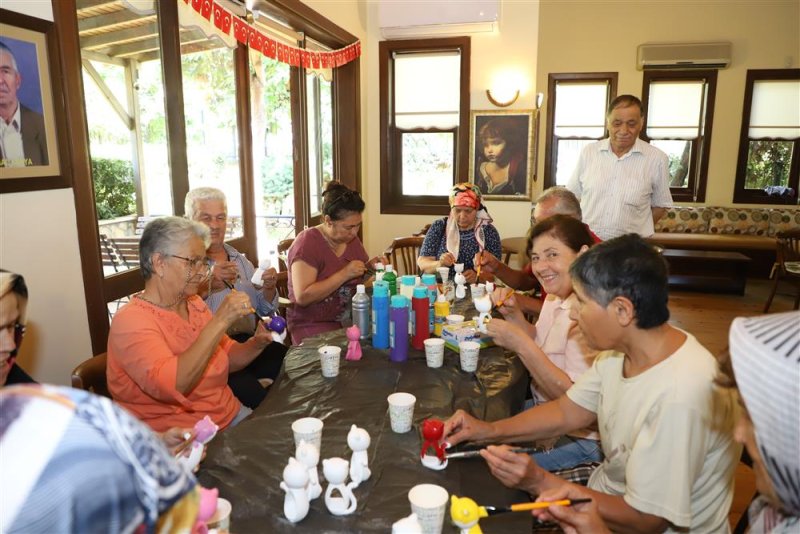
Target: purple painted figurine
{"x": 354, "y": 346}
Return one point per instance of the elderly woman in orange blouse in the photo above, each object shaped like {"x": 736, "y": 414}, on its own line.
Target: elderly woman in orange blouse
{"x": 168, "y": 357}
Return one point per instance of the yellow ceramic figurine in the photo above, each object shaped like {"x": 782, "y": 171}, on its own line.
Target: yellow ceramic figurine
{"x": 465, "y": 514}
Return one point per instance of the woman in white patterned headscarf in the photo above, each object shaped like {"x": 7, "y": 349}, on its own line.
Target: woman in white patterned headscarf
{"x": 765, "y": 355}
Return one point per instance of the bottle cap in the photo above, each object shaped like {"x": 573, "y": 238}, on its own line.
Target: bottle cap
{"x": 380, "y": 289}
{"x": 389, "y": 268}
{"x": 421, "y": 292}
{"x": 399, "y": 301}
{"x": 379, "y": 266}
{"x": 360, "y": 288}
{"x": 408, "y": 279}
{"x": 429, "y": 279}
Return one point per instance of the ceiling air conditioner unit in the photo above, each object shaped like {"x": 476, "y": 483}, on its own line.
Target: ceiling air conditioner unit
{"x": 404, "y": 20}
{"x": 715, "y": 55}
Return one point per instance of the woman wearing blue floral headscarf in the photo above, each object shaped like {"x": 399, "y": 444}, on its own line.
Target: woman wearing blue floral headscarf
{"x": 457, "y": 238}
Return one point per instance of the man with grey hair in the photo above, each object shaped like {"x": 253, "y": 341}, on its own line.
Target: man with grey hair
{"x": 554, "y": 200}
{"x": 232, "y": 271}
{"x": 622, "y": 181}
{"x": 22, "y": 135}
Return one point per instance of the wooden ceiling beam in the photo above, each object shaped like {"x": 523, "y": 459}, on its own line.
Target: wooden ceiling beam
{"x": 121, "y": 36}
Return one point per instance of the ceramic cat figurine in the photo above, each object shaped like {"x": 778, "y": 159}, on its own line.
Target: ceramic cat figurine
{"x": 204, "y": 431}
{"x": 460, "y": 280}
{"x": 354, "y": 345}
{"x": 484, "y": 306}
{"x": 465, "y": 514}
{"x": 335, "y": 471}
{"x": 308, "y": 455}
{"x": 358, "y": 440}
{"x": 295, "y": 484}
{"x": 407, "y": 525}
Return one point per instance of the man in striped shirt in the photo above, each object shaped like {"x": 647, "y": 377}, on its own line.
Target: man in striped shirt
{"x": 622, "y": 182}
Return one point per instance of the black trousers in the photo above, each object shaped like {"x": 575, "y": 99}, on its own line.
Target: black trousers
{"x": 244, "y": 383}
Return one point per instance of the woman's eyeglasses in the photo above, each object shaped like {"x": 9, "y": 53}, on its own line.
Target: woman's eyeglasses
{"x": 196, "y": 264}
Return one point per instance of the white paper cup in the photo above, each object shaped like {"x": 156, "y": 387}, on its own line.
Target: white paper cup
{"x": 308, "y": 429}
{"x": 444, "y": 273}
{"x": 401, "y": 411}
{"x": 454, "y": 318}
{"x": 221, "y": 520}
{"x": 429, "y": 502}
{"x": 468, "y": 354}
{"x": 434, "y": 351}
{"x": 329, "y": 356}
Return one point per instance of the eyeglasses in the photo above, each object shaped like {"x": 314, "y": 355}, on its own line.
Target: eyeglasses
{"x": 198, "y": 264}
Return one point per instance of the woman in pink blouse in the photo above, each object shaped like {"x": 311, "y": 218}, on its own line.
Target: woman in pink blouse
{"x": 326, "y": 262}
{"x": 553, "y": 350}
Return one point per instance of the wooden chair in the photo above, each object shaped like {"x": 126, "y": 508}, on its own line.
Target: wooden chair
{"x": 127, "y": 250}
{"x": 283, "y": 248}
{"x": 424, "y": 230}
{"x": 787, "y": 265}
{"x": 405, "y": 250}
{"x": 107, "y": 254}
{"x": 91, "y": 375}
{"x": 511, "y": 246}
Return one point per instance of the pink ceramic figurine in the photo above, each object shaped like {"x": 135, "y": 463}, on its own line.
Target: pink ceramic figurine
{"x": 354, "y": 346}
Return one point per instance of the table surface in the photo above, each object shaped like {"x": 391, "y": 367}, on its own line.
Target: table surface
{"x": 246, "y": 462}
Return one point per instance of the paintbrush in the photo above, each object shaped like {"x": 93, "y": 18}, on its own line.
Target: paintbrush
{"x": 184, "y": 445}
{"x": 477, "y": 452}
{"x": 527, "y": 506}
{"x": 252, "y": 310}
{"x": 502, "y": 300}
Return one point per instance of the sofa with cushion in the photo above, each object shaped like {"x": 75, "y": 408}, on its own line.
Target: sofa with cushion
{"x": 750, "y": 231}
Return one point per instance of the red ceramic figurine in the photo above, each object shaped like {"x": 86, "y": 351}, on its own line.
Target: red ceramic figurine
{"x": 432, "y": 431}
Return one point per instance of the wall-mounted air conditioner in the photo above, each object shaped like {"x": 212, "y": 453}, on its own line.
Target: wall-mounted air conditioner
{"x": 403, "y": 19}
{"x": 716, "y": 55}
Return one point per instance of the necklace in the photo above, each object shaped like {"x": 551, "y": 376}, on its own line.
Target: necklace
{"x": 156, "y": 304}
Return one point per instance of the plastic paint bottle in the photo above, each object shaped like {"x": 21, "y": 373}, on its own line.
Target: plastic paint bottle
{"x": 420, "y": 306}
{"x": 398, "y": 328}
{"x": 441, "y": 309}
{"x": 380, "y": 315}
{"x": 390, "y": 277}
{"x": 361, "y": 312}
{"x": 429, "y": 281}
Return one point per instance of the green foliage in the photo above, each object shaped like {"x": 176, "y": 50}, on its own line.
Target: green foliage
{"x": 768, "y": 163}
{"x": 277, "y": 183}
{"x": 114, "y": 190}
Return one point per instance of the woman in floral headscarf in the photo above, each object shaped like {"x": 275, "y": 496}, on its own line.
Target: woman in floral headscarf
{"x": 459, "y": 237}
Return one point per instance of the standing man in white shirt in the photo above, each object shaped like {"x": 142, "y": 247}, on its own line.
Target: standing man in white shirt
{"x": 23, "y": 140}
{"x": 622, "y": 182}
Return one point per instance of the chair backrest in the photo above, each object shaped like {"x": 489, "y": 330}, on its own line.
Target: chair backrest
{"x": 788, "y": 246}
{"x": 403, "y": 253}
{"x": 107, "y": 253}
{"x": 127, "y": 249}
{"x": 424, "y": 230}
{"x": 91, "y": 375}
{"x": 283, "y": 248}
{"x": 511, "y": 246}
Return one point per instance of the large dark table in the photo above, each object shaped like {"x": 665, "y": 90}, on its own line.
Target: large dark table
{"x": 246, "y": 462}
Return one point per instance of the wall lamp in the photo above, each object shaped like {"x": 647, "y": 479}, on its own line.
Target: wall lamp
{"x": 503, "y": 100}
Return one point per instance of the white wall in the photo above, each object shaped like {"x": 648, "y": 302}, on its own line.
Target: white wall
{"x": 39, "y": 240}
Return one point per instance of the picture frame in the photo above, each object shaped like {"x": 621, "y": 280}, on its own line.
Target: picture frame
{"x": 33, "y": 156}
{"x": 507, "y": 174}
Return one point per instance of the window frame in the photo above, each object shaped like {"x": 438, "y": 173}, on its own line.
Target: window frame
{"x": 695, "y": 191}
{"x": 551, "y": 142}
{"x": 756, "y": 196}
{"x": 100, "y": 290}
{"x": 392, "y": 198}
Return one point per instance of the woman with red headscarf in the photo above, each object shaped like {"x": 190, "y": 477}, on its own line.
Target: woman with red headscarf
{"x": 459, "y": 237}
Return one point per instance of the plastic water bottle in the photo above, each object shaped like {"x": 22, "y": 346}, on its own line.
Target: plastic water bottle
{"x": 380, "y": 315}
{"x": 390, "y": 277}
{"x": 361, "y": 311}
{"x": 420, "y": 305}
{"x": 398, "y": 329}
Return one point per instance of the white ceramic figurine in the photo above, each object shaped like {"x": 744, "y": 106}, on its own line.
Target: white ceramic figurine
{"x": 308, "y": 455}
{"x": 295, "y": 484}
{"x": 358, "y": 440}
{"x": 335, "y": 471}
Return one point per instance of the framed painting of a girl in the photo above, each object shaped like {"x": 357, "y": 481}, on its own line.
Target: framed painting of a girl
{"x": 501, "y": 158}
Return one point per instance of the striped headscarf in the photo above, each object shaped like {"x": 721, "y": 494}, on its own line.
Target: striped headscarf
{"x": 466, "y": 195}
{"x": 765, "y": 353}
